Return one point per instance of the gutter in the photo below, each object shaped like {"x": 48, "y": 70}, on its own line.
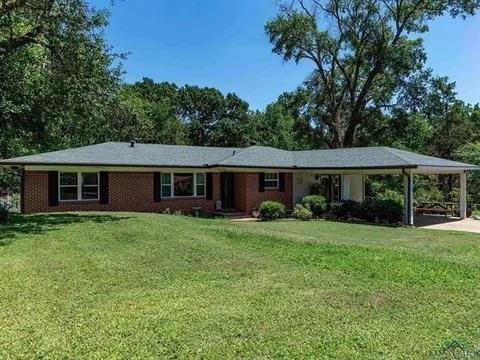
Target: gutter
{"x": 207, "y": 166}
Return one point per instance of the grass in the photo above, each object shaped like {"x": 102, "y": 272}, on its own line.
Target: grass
{"x": 147, "y": 286}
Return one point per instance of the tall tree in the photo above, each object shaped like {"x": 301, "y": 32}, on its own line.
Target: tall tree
{"x": 233, "y": 128}
{"x": 212, "y": 118}
{"x": 200, "y": 109}
{"x": 470, "y": 153}
{"x": 58, "y": 81}
{"x": 362, "y": 51}
{"x": 153, "y": 112}
{"x": 286, "y": 124}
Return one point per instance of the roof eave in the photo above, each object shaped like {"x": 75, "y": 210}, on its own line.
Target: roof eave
{"x": 20, "y": 163}
{"x": 13, "y": 164}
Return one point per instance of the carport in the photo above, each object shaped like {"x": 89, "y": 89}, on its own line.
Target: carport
{"x": 351, "y": 166}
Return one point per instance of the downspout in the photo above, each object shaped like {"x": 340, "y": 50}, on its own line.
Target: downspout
{"x": 22, "y": 190}
{"x": 408, "y": 198}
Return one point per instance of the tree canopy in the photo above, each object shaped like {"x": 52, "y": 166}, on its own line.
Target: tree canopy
{"x": 364, "y": 53}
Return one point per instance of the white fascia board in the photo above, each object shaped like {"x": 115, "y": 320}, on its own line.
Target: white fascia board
{"x": 436, "y": 170}
{"x": 84, "y": 168}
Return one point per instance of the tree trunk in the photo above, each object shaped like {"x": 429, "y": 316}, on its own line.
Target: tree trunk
{"x": 349, "y": 138}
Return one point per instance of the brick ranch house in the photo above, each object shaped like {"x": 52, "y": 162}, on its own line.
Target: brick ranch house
{"x": 152, "y": 178}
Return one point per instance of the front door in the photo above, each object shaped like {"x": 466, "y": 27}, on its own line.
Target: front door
{"x": 227, "y": 190}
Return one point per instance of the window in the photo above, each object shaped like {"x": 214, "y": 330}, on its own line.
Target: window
{"x": 271, "y": 180}
{"x": 68, "y": 186}
{"x": 78, "y": 186}
{"x": 183, "y": 185}
{"x": 89, "y": 186}
{"x": 166, "y": 185}
{"x": 200, "y": 184}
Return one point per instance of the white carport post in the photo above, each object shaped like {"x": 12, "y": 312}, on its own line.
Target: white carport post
{"x": 408, "y": 193}
{"x": 463, "y": 195}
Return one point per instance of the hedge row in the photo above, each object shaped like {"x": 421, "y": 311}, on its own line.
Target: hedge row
{"x": 371, "y": 210}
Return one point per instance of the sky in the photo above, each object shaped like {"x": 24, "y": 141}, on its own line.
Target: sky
{"x": 222, "y": 44}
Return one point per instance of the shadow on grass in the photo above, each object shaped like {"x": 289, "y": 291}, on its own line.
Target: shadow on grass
{"x": 19, "y": 225}
{"x": 364, "y": 222}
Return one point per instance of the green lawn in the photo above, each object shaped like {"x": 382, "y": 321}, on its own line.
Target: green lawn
{"x": 146, "y": 286}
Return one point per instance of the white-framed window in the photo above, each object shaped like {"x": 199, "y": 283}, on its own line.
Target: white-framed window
{"x": 271, "y": 180}
{"x": 77, "y": 186}
{"x": 183, "y": 185}
{"x": 166, "y": 185}
{"x": 200, "y": 184}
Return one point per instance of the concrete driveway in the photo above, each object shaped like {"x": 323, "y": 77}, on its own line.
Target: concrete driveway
{"x": 443, "y": 223}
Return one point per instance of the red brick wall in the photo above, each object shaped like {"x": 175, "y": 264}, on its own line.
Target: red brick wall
{"x": 248, "y": 197}
{"x": 133, "y": 191}
{"x": 128, "y": 191}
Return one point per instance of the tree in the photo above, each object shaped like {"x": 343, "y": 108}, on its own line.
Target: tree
{"x": 47, "y": 23}
{"x": 24, "y": 22}
{"x": 200, "y": 109}
{"x": 58, "y": 78}
{"x": 450, "y": 118}
{"x": 153, "y": 112}
{"x": 470, "y": 153}
{"x": 213, "y": 119}
{"x": 58, "y": 81}
{"x": 286, "y": 124}
{"x": 363, "y": 51}
{"x": 233, "y": 128}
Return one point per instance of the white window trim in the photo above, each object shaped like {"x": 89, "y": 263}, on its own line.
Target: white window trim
{"x": 271, "y": 180}
{"x": 172, "y": 185}
{"x": 79, "y": 186}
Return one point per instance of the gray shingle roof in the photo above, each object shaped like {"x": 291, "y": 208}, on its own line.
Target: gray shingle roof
{"x": 370, "y": 157}
{"x": 261, "y": 156}
{"x": 112, "y": 153}
{"x": 121, "y": 154}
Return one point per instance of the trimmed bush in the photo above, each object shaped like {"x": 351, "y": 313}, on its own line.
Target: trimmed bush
{"x": 381, "y": 209}
{"x": 302, "y": 213}
{"x": 346, "y": 209}
{"x": 371, "y": 210}
{"x": 271, "y": 210}
{"x": 316, "y": 203}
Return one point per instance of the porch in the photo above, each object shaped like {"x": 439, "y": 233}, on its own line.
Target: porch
{"x": 337, "y": 185}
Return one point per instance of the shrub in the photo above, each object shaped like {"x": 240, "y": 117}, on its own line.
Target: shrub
{"x": 316, "y": 203}
{"x": 391, "y": 195}
{"x": 4, "y": 211}
{"x": 302, "y": 213}
{"x": 476, "y": 214}
{"x": 271, "y": 210}
{"x": 381, "y": 209}
{"x": 346, "y": 209}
